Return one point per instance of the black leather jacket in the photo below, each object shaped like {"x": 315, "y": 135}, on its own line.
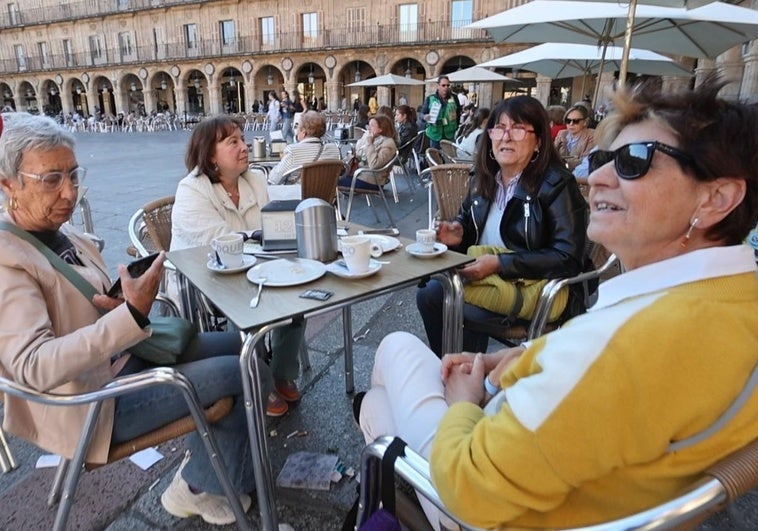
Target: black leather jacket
{"x": 548, "y": 233}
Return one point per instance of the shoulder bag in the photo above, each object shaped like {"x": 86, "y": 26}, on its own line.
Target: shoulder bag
{"x": 170, "y": 335}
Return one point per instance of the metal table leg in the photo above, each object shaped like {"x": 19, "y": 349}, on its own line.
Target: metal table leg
{"x": 347, "y": 339}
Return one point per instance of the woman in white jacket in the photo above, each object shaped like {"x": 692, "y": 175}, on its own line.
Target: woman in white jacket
{"x": 221, "y": 195}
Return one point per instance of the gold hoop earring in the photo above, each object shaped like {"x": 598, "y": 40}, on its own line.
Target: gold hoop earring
{"x": 688, "y": 234}
{"x": 13, "y": 203}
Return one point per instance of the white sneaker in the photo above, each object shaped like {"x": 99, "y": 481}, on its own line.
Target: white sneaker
{"x": 181, "y": 502}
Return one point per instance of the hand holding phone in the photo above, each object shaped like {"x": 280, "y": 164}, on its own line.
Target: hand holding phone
{"x": 135, "y": 269}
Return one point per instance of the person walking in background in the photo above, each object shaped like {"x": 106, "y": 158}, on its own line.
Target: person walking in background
{"x": 287, "y": 114}
{"x": 373, "y": 104}
{"x": 441, "y": 111}
{"x": 274, "y": 112}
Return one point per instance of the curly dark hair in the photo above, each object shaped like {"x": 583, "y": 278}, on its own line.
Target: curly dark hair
{"x": 523, "y": 110}
{"x": 718, "y": 134}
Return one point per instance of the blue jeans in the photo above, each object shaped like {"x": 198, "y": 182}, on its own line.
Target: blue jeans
{"x": 347, "y": 180}
{"x": 429, "y": 301}
{"x": 211, "y": 363}
{"x": 287, "y": 132}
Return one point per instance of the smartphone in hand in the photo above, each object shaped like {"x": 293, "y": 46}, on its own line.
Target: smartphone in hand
{"x": 135, "y": 269}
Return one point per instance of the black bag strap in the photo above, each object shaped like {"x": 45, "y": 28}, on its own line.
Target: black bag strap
{"x": 394, "y": 450}
{"x": 56, "y": 261}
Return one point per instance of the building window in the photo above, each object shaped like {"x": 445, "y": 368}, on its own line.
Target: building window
{"x": 268, "y": 31}
{"x": 462, "y": 14}
{"x": 44, "y": 54}
{"x": 18, "y": 49}
{"x": 408, "y": 17}
{"x": 96, "y": 49}
{"x": 123, "y": 4}
{"x": 126, "y": 45}
{"x": 190, "y": 36}
{"x": 13, "y": 14}
{"x": 159, "y": 43}
{"x": 68, "y": 52}
{"x": 356, "y": 19}
{"x": 226, "y": 28}
{"x": 310, "y": 27}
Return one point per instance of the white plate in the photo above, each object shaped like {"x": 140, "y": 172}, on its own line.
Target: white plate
{"x": 387, "y": 243}
{"x": 247, "y": 263}
{"x": 287, "y": 272}
{"x": 415, "y": 250}
{"x": 339, "y": 268}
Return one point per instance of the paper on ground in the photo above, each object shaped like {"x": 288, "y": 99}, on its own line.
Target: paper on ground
{"x": 47, "y": 461}
{"x": 146, "y": 458}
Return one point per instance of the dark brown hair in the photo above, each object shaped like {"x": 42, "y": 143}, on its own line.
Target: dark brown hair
{"x": 385, "y": 125}
{"x": 408, "y": 111}
{"x": 718, "y": 134}
{"x": 522, "y": 110}
{"x": 202, "y": 144}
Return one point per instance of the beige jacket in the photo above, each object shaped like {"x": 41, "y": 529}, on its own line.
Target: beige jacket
{"x": 573, "y": 157}
{"x": 53, "y": 339}
{"x": 375, "y": 155}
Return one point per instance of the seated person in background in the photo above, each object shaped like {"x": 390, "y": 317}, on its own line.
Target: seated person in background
{"x": 221, "y": 195}
{"x": 362, "y": 119}
{"x": 309, "y": 148}
{"x": 54, "y": 339}
{"x": 405, "y": 124}
{"x": 607, "y": 416}
{"x": 471, "y": 131}
{"x": 373, "y": 150}
{"x": 576, "y": 141}
{"x": 555, "y": 113}
{"x": 467, "y": 114}
{"x": 524, "y": 217}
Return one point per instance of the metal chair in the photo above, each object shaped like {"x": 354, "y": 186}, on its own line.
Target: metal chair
{"x": 405, "y": 154}
{"x": 455, "y": 152}
{"x": 67, "y": 475}
{"x": 435, "y": 157}
{"x": 720, "y": 485}
{"x": 450, "y": 183}
{"x": 368, "y": 175}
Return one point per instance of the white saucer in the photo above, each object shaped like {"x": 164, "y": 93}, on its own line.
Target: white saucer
{"x": 247, "y": 263}
{"x": 415, "y": 250}
{"x": 339, "y": 268}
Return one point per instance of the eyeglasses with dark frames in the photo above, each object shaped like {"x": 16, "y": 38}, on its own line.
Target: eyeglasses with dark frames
{"x": 633, "y": 160}
{"x": 574, "y": 121}
{"x": 53, "y": 181}
{"x": 517, "y": 133}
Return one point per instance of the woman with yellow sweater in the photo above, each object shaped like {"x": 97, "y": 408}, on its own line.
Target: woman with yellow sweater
{"x": 624, "y": 406}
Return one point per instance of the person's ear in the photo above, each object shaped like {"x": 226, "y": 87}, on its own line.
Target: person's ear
{"x": 719, "y": 198}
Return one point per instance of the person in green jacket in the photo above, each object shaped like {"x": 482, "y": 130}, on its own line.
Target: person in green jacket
{"x": 441, "y": 111}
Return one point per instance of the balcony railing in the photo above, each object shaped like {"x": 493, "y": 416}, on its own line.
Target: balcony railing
{"x": 378, "y": 35}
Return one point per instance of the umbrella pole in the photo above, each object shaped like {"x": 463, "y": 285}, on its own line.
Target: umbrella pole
{"x": 627, "y": 42}
{"x": 599, "y": 75}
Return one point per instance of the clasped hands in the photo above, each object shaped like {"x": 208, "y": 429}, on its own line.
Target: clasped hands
{"x": 463, "y": 374}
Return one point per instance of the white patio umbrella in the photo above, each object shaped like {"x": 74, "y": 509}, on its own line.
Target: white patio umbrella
{"x": 474, "y": 74}
{"x": 560, "y": 60}
{"x": 387, "y": 80}
{"x": 703, "y": 32}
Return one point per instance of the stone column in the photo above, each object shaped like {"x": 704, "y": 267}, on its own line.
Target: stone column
{"x": 334, "y": 96}
{"x": 383, "y": 96}
{"x": 67, "y": 100}
{"x": 149, "y": 99}
{"x": 543, "y": 89}
{"x": 213, "y": 103}
{"x": 749, "y": 90}
{"x": 729, "y": 66}
{"x": 180, "y": 92}
{"x": 704, "y": 68}
{"x": 250, "y": 89}
{"x": 674, "y": 83}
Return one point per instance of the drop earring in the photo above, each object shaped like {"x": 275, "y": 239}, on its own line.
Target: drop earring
{"x": 13, "y": 203}
{"x": 536, "y": 154}
{"x": 492, "y": 155}
{"x": 688, "y": 235}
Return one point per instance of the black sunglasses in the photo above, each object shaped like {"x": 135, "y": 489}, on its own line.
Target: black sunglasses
{"x": 632, "y": 161}
{"x": 574, "y": 121}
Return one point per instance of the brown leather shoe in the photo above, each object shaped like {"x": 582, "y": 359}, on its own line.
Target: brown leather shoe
{"x": 276, "y": 406}
{"x": 288, "y": 390}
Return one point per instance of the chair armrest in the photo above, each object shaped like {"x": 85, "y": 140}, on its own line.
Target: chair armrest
{"x": 550, "y": 292}
{"x": 289, "y": 173}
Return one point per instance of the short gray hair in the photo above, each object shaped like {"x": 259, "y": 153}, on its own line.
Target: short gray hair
{"x": 23, "y": 132}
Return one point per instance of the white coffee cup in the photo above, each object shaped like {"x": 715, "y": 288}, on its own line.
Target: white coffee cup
{"x": 425, "y": 238}
{"x": 356, "y": 250}
{"x": 229, "y": 249}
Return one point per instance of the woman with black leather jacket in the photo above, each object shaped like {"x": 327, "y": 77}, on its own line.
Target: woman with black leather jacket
{"x": 522, "y": 198}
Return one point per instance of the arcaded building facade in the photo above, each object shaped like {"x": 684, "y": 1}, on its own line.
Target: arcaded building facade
{"x": 211, "y": 56}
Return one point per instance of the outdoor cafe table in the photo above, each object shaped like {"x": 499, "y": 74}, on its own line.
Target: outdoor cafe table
{"x": 279, "y": 306}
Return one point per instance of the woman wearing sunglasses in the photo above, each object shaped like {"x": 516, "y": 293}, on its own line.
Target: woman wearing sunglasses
{"x": 524, "y": 218}
{"x": 625, "y": 406}
{"x": 576, "y": 141}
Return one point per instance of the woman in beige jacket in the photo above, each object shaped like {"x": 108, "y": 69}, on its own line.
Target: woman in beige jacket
{"x": 374, "y": 150}
{"x": 54, "y": 339}
{"x": 577, "y": 140}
